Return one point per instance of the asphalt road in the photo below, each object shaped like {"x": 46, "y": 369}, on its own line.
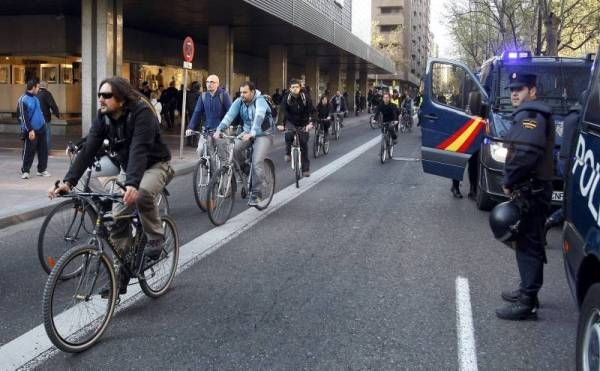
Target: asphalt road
{"x": 359, "y": 272}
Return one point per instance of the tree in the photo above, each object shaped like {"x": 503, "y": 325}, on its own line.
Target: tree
{"x": 388, "y": 43}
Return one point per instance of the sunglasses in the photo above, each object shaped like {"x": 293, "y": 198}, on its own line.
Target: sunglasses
{"x": 105, "y": 95}
{"x": 211, "y": 82}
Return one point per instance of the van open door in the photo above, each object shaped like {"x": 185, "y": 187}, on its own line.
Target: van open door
{"x": 452, "y": 118}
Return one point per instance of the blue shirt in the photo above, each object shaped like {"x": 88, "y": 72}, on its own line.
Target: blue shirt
{"x": 252, "y": 114}
{"x": 29, "y": 113}
{"x": 213, "y": 107}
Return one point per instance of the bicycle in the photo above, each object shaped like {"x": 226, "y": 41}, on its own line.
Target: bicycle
{"x": 405, "y": 121}
{"x": 296, "y": 154}
{"x": 336, "y": 125}
{"x": 387, "y": 143}
{"x": 223, "y": 185}
{"x": 203, "y": 171}
{"x": 71, "y": 221}
{"x": 320, "y": 144}
{"x": 75, "y": 315}
{"x": 375, "y": 122}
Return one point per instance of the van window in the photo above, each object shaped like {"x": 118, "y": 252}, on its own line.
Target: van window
{"x": 592, "y": 113}
{"x": 451, "y": 85}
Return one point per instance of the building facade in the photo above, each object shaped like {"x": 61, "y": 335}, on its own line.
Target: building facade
{"x": 404, "y": 24}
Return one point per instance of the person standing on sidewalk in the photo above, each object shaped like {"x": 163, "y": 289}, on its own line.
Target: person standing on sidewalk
{"x": 48, "y": 106}
{"x": 33, "y": 130}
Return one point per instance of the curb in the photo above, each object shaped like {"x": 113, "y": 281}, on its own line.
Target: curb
{"x": 43, "y": 208}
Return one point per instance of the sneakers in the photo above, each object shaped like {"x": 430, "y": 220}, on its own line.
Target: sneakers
{"x": 513, "y": 297}
{"x": 255, "y": 199}
{"x": 306, "y": 174}
{"x": 525, "y": 308}
{"x": 154, "y": 248}
{"x": 287, "y": 158}
{"x": 43, "y": 173}
{"x": 25, "y": 175}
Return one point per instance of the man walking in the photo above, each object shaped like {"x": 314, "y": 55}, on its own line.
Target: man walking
{"x": 33, "y": 130}
{"x": 48, "y": 106}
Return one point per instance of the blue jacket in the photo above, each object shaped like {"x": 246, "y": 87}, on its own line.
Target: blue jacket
{"x": 213, "y": 108}
{"x": 252, "y": 114}
{"x": 29, "y": 113}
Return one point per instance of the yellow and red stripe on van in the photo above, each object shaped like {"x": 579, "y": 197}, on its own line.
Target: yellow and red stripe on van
{"x": 463, "y": 137}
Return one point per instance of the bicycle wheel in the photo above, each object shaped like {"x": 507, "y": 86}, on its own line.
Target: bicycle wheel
{"x": 157, "y": 278}
{"x": 75, "y": 316}
{"x": 297, "y": 166}
{"x": 337, "y": 130}
{"x": 383, "y": 149}
{"x": 221, "y": 195}
{"x": 201, "y": 181}
{"x": 67, "y": 225}
{"x": 316, "y": 145}
{"x": 325, "y": 145}
{"x": 372, "y": 122}
{"x": 268, "y": 185}
{"x": 390, "y": 146}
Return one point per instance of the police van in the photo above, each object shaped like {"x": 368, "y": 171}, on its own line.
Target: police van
{"x": 581, "y": 234}
{"x": 464, "y": 114}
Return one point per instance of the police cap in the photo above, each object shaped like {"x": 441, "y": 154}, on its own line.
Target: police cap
{"x": 519, "y": 80}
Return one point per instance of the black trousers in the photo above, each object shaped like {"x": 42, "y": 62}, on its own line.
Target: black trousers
{"x": 530, "y": 250}
{"x": 30, "y": 147}
{"x": 303, "y": 138}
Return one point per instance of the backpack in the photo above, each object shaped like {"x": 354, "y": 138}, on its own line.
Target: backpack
{"x": 272, "y": 105}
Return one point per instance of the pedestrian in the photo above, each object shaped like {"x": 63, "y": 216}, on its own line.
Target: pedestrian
{"x": 363, "y": 102}
{"x": 528, "y": 173}
{"x": 146, "y": 89}
{"x": 48, "y": 106}
{"x": 168, "y": 99}
{"x": 33, "y": 130}
{"x": 357, "y": 103}
{"x": 157, "y": 106}
{"x": 277, "y": 97}
{"x": 369, "y": 100}
{"x": 160, "y": 79}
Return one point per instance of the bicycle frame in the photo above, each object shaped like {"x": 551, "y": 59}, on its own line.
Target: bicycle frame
{"x": 296, "y": 148}
{"x": 233, "y": 166}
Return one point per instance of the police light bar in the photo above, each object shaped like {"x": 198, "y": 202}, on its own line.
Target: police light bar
{"x": 516, "y": 55}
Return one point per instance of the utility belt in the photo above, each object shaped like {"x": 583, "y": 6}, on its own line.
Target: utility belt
{"x": 526, "y": 192}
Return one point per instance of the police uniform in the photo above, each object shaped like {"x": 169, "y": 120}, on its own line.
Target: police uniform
{"x": 528, "y": 174}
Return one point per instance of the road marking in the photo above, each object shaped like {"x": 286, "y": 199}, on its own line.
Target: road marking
{"x": 467, "y": 354}
{"x": 406, "y": 159}
{"x": 32, "y": 348}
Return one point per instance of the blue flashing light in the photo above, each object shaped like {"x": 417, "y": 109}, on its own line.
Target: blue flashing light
{"x": 516, "y": 55}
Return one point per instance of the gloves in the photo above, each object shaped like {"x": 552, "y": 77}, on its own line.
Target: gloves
{"x": 189, "y": 132}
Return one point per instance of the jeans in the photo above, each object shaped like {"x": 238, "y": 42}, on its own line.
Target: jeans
{"x": 262, "y": 147}
{"x": 31, "y": 147}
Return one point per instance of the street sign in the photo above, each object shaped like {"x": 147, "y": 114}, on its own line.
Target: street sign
{"x": 188, "y": 49}
{"x": 187, "y": 65}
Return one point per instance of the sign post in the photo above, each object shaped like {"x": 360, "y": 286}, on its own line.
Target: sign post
{"x": 188, "y": 56}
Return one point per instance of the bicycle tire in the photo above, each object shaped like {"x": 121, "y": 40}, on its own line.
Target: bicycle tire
{"x": 46, "y": 241}
{"x": 390, "y": 146}
{"x": 337, "y": 130}
{"x": 325, "y": 146}
{"x": 316, "y": 145}
{"x": 297, "y": 166}
{"x": 170, "y": 256}
{"x": 201, "y": 181}
{"x": 54, "y": 319}
{"x": 269, "y": 186}
{"x": 383, "y": 149}
{"x": 216, "y": 215}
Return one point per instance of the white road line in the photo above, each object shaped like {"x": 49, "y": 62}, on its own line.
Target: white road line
{"x": 467, "y": 354}
{"x": 33, "y": 347}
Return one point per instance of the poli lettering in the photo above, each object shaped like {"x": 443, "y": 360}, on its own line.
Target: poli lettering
{"x": 589, "y": 177}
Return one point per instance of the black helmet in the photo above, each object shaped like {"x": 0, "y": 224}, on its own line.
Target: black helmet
{"x": 504, "y": 221}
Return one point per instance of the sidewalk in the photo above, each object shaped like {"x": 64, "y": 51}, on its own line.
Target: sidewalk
{"x": 26, "y": 199}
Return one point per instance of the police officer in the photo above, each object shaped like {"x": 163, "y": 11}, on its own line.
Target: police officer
{"x": 527, "y": 179}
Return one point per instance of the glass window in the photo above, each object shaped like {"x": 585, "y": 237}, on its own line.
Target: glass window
{"x": 592, "y": 113}
{"x": 451, "y": 85}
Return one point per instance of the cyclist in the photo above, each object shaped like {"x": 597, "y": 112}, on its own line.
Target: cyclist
{"x": 324, "y": 115}
{"x": 255, "y": 113}
{"x": 338, "y": 103}
{"x": 295, "y": 112}
{"x": 395, "y": 98}
{"x": 389, "y": 113}
{"x": 213, "y": 104}
{"x": 131, "y": 126}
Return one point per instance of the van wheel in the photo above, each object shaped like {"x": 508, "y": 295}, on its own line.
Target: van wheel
{"x": 588, "y": 331}
{"x": 483, "y": 200}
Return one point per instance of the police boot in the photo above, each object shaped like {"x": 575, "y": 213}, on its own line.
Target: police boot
{"x": 513, "y": 297}
{"x": 456, "y": 192}
{"x": 554, "y": 220}
{"x": 472, "y": 192}
{"x": 525, "y": 308}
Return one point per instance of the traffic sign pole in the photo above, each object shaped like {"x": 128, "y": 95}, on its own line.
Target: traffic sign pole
{"x": 188, "y": 56}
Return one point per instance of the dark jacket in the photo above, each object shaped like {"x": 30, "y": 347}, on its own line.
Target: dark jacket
{"x": 168, "y": 98}
{"x": 569, "y": 129}
{"x": 389, "y": 112}
{"x": 134, "y": 137}
{"x": 323, "y": 110}
{"x": 212, "y": 108}
{"x": 296, "y": 111}
{"x": 191, "y": 100}
{"x": 47, "y": 104}
{"x": 530, "y": 145}
{"x": 338, "y": 102}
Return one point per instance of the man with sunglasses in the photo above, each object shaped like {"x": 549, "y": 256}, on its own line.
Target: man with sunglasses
{"x": 129, "y": 123}
{"x": 528, "y": 174}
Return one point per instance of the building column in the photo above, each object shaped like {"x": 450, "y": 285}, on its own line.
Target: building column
{"x": 278, "y": 68}
{"x": 220, "y": 55}
{"x": 334, "y": 78}
{"x": 101, "y": 51}
{"x": 351, "y": 86}
{"x": 363, "y": 81}
{"x": 313, "y": 77}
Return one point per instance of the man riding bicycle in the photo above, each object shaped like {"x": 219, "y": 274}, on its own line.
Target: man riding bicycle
{"x": 338, "y": 104}
{"x": 131, "y": 126}
{"x": 389, "y": 112}
{"x": 257, "y": 120}
{"x": 295, "y": 112}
